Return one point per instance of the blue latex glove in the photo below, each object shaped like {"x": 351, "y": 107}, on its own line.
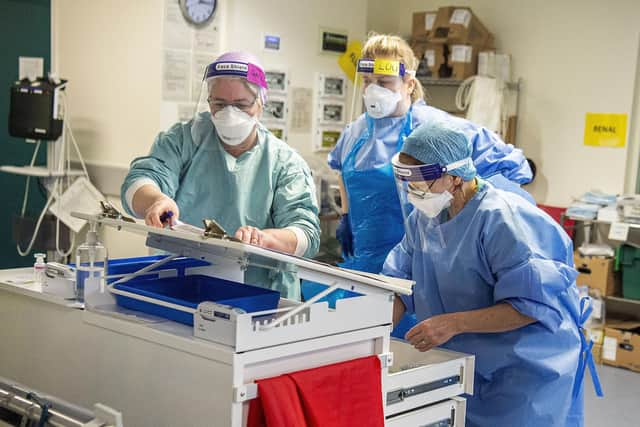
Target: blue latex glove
{"x": 344, "y": 235}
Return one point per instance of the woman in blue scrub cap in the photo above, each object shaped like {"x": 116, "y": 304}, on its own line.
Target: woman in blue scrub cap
{"x": 494, "y": 277}
{"x": 225, "y": 165}
{"x": 371, "y": 224}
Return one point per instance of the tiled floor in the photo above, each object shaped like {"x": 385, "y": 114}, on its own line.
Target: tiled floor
{"x": 620, "y": 407}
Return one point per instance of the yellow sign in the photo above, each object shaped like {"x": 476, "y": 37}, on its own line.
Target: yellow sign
{"x": 348, "y": 61}
{"x": 605, "y": 130}
{"x": 386, "y": 67}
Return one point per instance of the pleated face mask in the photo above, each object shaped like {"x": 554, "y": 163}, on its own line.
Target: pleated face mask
{"x": 431, "y": 204}
{"x": 233, "y": 125}
{"x": 379, "y": 101}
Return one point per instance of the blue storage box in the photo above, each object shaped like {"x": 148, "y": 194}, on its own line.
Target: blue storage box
{"x": 189, "y": 291}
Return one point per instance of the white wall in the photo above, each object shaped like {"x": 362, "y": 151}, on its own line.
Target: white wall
{"x": 298, "y": 23}
{"x": 574, "y": 56}
{"x": 111, "y": 52}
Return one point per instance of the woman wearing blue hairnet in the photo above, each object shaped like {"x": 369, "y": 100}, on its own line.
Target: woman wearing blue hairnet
{"x": 494, "y": 277}
{"x": 224, "y": 165}
{"x": 371, "y": 223}
{"x": 394, "y": 104}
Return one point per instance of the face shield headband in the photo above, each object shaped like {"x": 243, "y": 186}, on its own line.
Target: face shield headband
{"x": 253, "y": 73}
{"x": 428, "y": 172}
{"x": 384, "y": 67}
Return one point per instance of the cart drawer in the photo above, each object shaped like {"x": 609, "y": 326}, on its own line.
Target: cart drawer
{"x": 450, "y": 413}
{"x": 417, "y": 379}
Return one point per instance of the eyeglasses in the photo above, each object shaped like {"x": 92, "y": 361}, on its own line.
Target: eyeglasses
{"x": 217, "y": 105}
{"x": 413, "y": 188}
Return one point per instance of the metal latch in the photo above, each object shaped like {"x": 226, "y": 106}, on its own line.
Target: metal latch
{"x": 396, "y": 396}
{"x": 215, "y": 230}
{"x": 109, "y": 211}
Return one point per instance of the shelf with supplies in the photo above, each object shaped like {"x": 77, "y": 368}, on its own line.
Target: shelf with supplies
{"x": 595, "y": 230}
{"x": 623, "y": 307}
{"x": 429, "y": 81}
{"x": 455, "y": 97}
{"x": 630, "y": 231}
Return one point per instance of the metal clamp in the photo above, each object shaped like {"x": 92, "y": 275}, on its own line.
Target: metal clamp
{"x": 109, "y": 211}
{"x": 215, "y": 230}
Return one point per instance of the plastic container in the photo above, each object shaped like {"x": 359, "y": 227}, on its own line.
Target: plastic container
{"x": 131, "y": 265}
{"x": 630, "y": 264}
{"x": 189, "y": 291}
{"x": 39, "y": 269}
{"x": 310, "y": 289}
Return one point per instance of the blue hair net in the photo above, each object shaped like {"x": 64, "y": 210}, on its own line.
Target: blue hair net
{"x": 440, "y": 142}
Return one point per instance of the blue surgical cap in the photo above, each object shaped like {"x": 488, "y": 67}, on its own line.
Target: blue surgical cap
{"x": 440, "y": 142}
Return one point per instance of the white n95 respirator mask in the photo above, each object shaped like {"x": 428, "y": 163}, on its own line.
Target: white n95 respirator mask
{"x": 379, "y": 101}
{"x": 233, "y": 125}
{"x": 432, "y": 204}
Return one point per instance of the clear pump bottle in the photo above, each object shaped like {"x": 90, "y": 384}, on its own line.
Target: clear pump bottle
{"x": 91, "y": 265}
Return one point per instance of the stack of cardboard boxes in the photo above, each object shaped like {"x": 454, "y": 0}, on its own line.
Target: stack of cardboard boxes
{"x": 447, "y": 42}
{"x": 617, "y": 343}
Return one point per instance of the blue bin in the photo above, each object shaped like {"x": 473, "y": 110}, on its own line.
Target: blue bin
{"x": 131, "y": 265}
{"x": 189, "y": 291}
{"x": 310, "y": 289}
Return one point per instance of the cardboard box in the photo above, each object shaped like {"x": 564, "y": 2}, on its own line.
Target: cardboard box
{"x": 596, "y": 352}
{"x": 440, "y": 32}
{"x": 597, "y": 273}
{"x": 422, "y": 25}
{"x": 463, "y": 60}
{"x": 621, "y": 346}
{"x": 431, "y": 57}
{"x": 594, "y": 334}
{"x": 458, "y": 25}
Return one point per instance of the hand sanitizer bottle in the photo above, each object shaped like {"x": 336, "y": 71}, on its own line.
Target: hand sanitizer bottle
{"x": 91, "y": 265}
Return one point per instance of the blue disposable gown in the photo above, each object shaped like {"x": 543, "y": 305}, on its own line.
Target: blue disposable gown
{"x": 383, "y": 139}
{"x": 363, "y": 156}
{"x": 490, "y": 154}
{"x": 500, "y": 248}
{"x": 269, "y": 186}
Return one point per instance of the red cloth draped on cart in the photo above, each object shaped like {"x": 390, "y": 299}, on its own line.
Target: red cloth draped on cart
{"x": 344, "y": 394}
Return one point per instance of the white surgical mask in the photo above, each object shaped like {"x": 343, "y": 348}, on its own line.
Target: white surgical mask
{"x": 233, "y": 125}
{"x": 432, "y": 203}
{"x": 379, "y": 101}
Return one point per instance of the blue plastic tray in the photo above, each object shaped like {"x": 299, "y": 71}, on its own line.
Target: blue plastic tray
{"x": 189, "y": 291}
{"x": 130, "y": 265}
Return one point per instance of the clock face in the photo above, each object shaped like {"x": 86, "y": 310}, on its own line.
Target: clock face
{"x": 198, "y": 12}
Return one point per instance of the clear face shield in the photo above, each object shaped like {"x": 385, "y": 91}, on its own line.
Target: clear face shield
{"x": 379, "y": 84}
{"x": 423, "y": 209}
{"x": 229, "y": 93}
